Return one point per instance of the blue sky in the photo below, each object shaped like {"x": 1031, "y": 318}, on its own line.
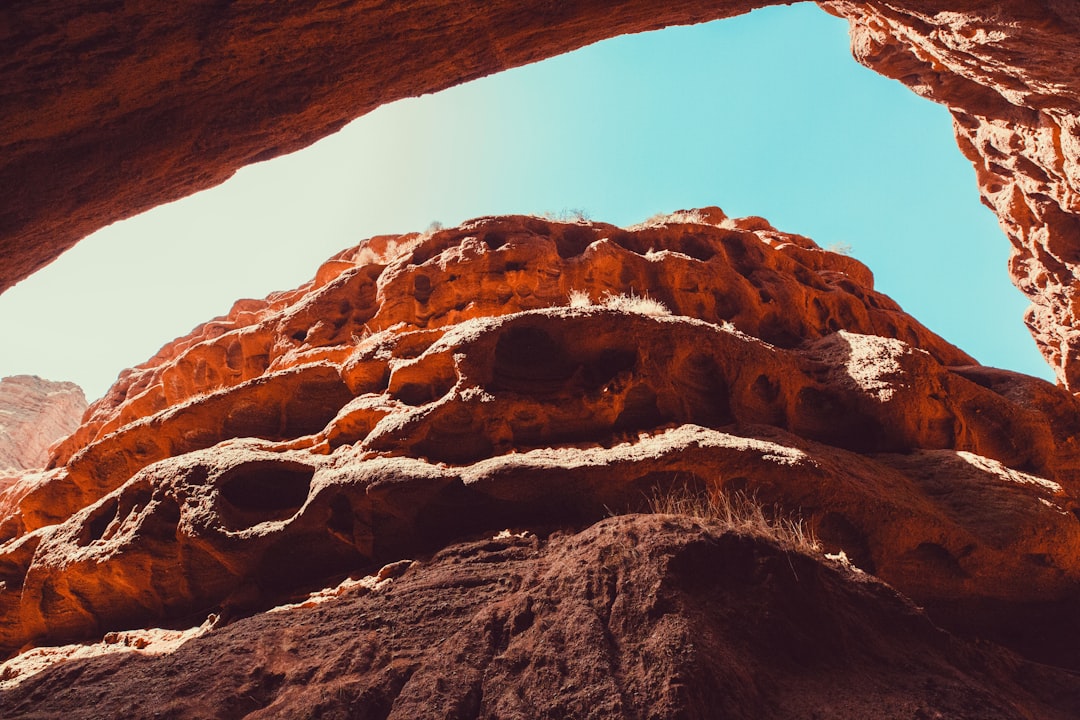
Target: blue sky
{"x": 765, "y": 114}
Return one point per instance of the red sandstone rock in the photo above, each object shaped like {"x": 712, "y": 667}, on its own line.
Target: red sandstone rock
{"x": 639, "y": 616}
{"x": 34, "y": 414}
{"x": 1005, "y": 71}
{"x": 422, "y": 388}
{"x": 107, "y": 113}
{"x": 426, "y": 386}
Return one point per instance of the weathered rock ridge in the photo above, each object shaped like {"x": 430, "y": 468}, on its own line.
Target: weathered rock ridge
{"x": 34, "y": 414}
{"x": 640, "y": 616}
{"x": 519, "y": 371}
{"x": 109, "y": 110}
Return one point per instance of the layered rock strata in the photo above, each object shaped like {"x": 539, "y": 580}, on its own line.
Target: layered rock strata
{"x": 520, "y": 370}
{"x": 109, "y": 111}
{"x": 34, "y": 414}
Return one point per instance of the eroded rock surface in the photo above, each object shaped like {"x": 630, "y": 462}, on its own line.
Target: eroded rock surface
{"x": 35, "y": 414}
{"x": 520, "y": 370}
{"x": 1009, "y": 74}
{"x": 640, "y": 616}
{"x": 109, "y": 111}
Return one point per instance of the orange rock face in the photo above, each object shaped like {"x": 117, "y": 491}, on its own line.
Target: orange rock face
{"x": 109, "y": 112}
{"x": 518, "y": 370}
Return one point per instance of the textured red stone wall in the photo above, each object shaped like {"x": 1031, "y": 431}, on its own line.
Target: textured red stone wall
{"x": 514, "y": 369}
{"x": 108, "y": 109}
{"x": 1010, "y": 74}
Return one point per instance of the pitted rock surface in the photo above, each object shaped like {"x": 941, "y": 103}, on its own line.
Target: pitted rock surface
{"x": 514, "y": 370}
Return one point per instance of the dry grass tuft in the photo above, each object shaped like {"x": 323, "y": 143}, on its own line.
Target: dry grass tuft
{"x": 641, "y": 304}
{"x": 568, "y": 215}
{"x": 368, "y": 255}
{"x": 692, "y": 217}
{"x": 580, "y": 299}
{"x": 739, "y": 512}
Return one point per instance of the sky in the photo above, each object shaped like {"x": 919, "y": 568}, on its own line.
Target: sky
{"x": 765, "y": 114}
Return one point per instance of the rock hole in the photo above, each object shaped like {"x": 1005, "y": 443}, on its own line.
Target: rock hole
{"x": 775, "y": 331}
{"x": 804, "y": 276}
{"x": 572, "y": 241}
{"x": 312, "y": 405}
{"x": 113, "y": 509}
{"x": 523, "y": 619}
{"x": 938, "y": 560}
{"x": 422, "y": 288}
{"x": 99, "y": 522}
{"x": 828, "y": 417}
{"x": 726, "y": 307}
{"x": 706, "y": 396}
{"x": 248, "y": 418}
{"x": 837, "y": 532}
{"x": 494, "y": 240}
{"x": 342, "y": 521}
{"x": 607, "y": 365}
{"x": 455, "y": 449}
{"x": 9, "y": 529}
{"x": 417, "y": 394}
{"x": 263, "y": 491}
{"x": 15, "y": 563}
{"x": 741, "y": 258}
{"x": 766, "y": 388}
{"x": 527, "y": 359}
{"x": 165, "y": 517}
{"x": 234, "y": 356}
{"x": 639, "y": 410}
{"x": 696, "y": 247}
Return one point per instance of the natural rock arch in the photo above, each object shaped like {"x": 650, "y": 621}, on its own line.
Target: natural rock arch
{"x": 109, "y": 110}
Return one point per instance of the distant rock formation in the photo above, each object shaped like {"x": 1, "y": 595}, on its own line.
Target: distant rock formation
{"x": 522, "y": 370}
{"x": 109, "y": 113}
{"x": 34, "y": 415}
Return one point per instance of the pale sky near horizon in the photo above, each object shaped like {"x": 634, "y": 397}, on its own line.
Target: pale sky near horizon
{"x": 765, "y": 114}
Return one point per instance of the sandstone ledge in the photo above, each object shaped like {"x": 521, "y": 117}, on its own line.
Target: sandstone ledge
{"x": 512, "y": 370}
